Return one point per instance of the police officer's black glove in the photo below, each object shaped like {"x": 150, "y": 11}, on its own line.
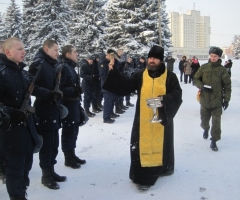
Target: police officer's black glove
{"x": 18, "y": 116}
{"x": 55, "y": 95}
{"x": 4, "y": 120}
{"x": 206, "y": 88}
{"x": 225, "y": 105}
{"x": 77, "y": 90}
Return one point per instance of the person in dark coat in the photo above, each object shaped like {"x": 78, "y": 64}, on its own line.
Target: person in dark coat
{"x": 87, "y": 75}
{"x": 142, "y": 62}
{"x": 109, "y": 97}
{"x": 97, "y": 93}
{"x": 228, "y": 66}
{"x": 195, "y": 66}
{"x": 70, "y": 86}
{"x": 128, "y": 72}
{"x": 2, "y": 158}
{"x": 181, "y": 67}
{"x": 47, "y": 110}
{"x": 17, "y": 139}
{"x": 149, "y": 158}
{"x": 170, "y": 63}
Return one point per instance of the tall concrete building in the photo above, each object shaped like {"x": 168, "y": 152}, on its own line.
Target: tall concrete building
{"x": 190, "y": 34}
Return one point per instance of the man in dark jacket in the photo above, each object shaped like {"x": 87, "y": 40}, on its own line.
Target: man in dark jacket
{"x": 17, "y": 140}
{"x": 152, "y": 146}
{"x": 215, "y": 84}
{"x": 87, "y": 75}
{"x": 170, "y": 63}
{"x": 2, "y": 158}
{"x": 195, "y": 66}
{"x": 47, "y": 110}
{"x": 97, "y": 93}
{"x": 228, "y": 66}
{"x": 181, "y": 67}
{"x": 70, "y": 86}
{"x": 109, "y": 97}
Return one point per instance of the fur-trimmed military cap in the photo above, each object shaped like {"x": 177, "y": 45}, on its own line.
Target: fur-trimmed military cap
{"x": 216, "y": 50}
{"x": 90, "y": 57}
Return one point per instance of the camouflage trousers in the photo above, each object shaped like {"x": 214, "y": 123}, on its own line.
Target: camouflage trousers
{"x": 215, "y": 113}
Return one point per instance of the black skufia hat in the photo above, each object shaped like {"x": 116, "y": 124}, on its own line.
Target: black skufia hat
{"x": 216, "y": 50}
{"x": 157, "y": 52}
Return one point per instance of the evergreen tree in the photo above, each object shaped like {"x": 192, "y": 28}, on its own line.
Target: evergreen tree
{"x": 13, "y": 21}
{"x": 134, "y": 25}
{"x": 87, "y": 27}
{"x": 236, "y": 46}
{"x": 127, "y": 25}
{"x": 3, "y": 35}
{"x": 166, "y": 34}
{"x": 51, "y": 21}
{"x": 28, "y": 20}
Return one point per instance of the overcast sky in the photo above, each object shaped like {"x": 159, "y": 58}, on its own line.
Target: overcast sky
{"x": 224, "y": 16}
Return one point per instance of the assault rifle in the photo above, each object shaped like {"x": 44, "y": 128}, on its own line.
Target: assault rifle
{"x": 26, "y": 107}
{"x": 63, "y": 110}
{"x": 58, "y": 81}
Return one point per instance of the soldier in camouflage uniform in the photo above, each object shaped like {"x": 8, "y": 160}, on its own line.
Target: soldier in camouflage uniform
{"x": 215, "y": 84}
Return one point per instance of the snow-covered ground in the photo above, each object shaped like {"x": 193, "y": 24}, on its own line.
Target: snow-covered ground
{"x": 200, "y": 173}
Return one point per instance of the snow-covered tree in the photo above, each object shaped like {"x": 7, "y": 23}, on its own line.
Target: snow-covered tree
{"x": 236, "y": 46}
{"x": 133, "y": 25}
{"x": 28, "y": 20}
{"x": 3, "y": 35}
{"x": 87, "y": 26}
{"x": 126, "y": 25}
{"x": 13, "y": 21}
{"x": 52, "y": 22}
{"x": 166, "y": 34}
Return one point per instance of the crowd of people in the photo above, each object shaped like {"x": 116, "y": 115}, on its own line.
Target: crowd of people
{"x": 58, "y": 85}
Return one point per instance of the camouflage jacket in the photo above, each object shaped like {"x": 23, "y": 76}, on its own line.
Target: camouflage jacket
{"x": 216, "y": 76}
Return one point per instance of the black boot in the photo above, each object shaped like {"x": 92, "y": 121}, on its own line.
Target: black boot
{"x": 89, "y": 114}
{"x": 47, "y": 179}
{"x": 129, "y": 104}
{"x": 123, "y": 107}
{"x": 57, "y": 177}
{"x": 113, "y": 115}
{"x": 118, "y": 109}
{"x": 95, "y": 108}
{"x": 213, "y": 146}
{"x": 99, "y": 105}
{"x": 205, "y": 134}
{"x": 77, "y": 159}
{"x": 70, "y": 161}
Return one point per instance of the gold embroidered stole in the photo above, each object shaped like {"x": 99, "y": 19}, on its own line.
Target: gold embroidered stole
{"x": 151, "y": 134}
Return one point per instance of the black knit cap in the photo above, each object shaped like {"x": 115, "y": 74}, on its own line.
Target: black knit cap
{"x": 216, "y": 50}
{"x": 157, "y": 52}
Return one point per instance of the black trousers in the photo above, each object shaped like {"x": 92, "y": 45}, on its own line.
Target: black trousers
{"x": 18, "y": 167}
{"x": 69, "y": 136}
{"x": 49, "y": 150}
{"x": 109, "y": 99}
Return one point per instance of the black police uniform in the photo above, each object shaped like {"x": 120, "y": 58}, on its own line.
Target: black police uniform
{"x": 86, "y": 73}
{"x": 47, "y": 110}
{"x": 71, "y": 99}
{"x": 97, "y": 93}
{"x": 18, "y": 140}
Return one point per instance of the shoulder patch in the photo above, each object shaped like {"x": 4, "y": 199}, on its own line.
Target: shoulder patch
{"x": 101, "y": 65}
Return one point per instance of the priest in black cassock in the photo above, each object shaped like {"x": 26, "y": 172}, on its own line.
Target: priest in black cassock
{"x": 152, "y": 144}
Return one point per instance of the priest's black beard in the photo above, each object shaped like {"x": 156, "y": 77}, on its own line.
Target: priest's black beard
{"x": 157, "y": 71}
